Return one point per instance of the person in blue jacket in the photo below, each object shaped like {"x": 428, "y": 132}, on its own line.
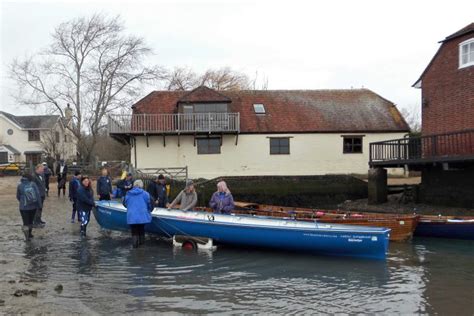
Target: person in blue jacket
{"x": 139, "y": 206}
{"x": 104, "y": 186}
{"x": 28, "y": 194}
{"x": 158, "y": 192}
{"x": 74, "y": 185}
{"x": 85, "y": 203}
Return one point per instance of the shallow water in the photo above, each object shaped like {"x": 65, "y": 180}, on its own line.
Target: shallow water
{"x": 103, "y": 275}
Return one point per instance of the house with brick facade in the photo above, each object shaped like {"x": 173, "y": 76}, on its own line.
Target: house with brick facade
{"x": 258, "y": 132}
{"x": 445, "y": 152}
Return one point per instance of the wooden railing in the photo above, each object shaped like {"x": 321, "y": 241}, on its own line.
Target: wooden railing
{"x": 435, "y": 147}
{"x": 174, "y": 123}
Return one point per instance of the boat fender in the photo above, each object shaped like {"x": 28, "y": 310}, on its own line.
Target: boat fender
{"x": 189, "y": 245}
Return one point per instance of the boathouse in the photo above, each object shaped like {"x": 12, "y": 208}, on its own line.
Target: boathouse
{"x": 258, "y": 133}
{"x": 445, "y": 151}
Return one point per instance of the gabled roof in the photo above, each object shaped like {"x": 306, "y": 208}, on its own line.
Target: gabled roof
{"x": 203, "y": 94}
{"x": 12, "y": 149}
{"x": 465, "y": 30}
{"x": 33, "y": 121}
{"x": 296, "y": 111}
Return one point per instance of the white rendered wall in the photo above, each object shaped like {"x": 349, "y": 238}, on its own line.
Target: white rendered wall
{"x": 310, "y": 154}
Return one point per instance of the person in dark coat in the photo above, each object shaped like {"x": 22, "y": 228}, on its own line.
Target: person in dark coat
{"x": 222, "y": 201}
{"x": 104, "y": 186}
{"x": 28, "y": 194}
{"x": 139, "y": 205}
{"x": 74, "y": 185}
{"x": 157, "y": 191}
{"x": 124, "y": 185}
{"x": 61, "y": 174}
{"x": 38, "y": 179}
{"x": 47, "y": 174}
{"x": 85, "y": 203}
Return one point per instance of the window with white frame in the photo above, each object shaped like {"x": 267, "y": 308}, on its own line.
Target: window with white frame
{"x": 466, "y": 53}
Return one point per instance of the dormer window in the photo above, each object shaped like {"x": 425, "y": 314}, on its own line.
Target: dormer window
{"x": 466, "y": 53}
{"x": 259, "y": 108}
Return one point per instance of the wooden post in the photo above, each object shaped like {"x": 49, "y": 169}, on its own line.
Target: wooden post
{"x": 377, "y": 186}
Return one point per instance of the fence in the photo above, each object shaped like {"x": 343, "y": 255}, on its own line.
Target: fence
{"x": 173, "y": 123}
{"x": 430, "y": 147}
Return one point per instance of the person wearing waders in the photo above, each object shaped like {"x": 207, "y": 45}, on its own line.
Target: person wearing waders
{"x": 139, "y": 206}
{"x": 74, "y": 185}
{"x": 38, "y": 179}
{"x": 85, "y": 203}
{"x": 28, "y": 195}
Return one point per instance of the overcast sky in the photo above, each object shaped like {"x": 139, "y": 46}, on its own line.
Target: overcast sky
{"x": 380, "y": 45}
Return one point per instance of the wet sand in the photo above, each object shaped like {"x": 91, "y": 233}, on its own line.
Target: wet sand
{"x": 21, "y": 263}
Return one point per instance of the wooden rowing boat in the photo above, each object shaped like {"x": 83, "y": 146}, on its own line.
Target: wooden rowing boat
{"x": 402, "y": 226}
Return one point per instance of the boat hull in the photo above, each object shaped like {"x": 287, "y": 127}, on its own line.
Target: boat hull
{"x": 254, "y": 231}
{"x": 445, "y": 229}
{"x": 366, "y": 244}
{"x": 402, "y": 226}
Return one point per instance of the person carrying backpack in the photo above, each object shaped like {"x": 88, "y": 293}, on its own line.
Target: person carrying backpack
{"x": 29, "y": 197}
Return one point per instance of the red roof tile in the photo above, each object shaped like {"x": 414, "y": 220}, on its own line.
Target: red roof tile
{"x": 296, "y": 111}
{"x": 203, "y": 94}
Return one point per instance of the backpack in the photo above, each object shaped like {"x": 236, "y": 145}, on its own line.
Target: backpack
{"x": 31, "y": 196}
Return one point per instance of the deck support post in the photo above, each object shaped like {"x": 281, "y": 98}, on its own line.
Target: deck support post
{"x": 164, "y": 140}
{"x": 377, "y": 186}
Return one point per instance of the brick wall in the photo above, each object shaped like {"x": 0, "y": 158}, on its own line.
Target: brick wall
{"x": 448, "y": 92}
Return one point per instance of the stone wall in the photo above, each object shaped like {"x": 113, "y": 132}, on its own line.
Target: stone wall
{"x": 305, "y": 191}
{"x": 448, "y": 187}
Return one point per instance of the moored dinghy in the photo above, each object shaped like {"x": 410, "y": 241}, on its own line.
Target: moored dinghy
{"x": 256, "y": 231}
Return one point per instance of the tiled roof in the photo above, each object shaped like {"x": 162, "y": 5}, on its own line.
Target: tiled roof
{"x": 33, "y": 121}
{"x": 465, "y": 30}
{"x": 354, "y": 110}
{"x": 203, "y": 94}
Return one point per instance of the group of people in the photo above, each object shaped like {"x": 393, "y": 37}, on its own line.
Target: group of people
{"x": 32, "y": 190}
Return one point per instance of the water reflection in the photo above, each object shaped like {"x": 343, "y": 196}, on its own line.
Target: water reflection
{"x": 105, "y": 274}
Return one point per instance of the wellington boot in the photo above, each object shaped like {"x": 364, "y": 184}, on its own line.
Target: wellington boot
{"x": 135, "y": 241}
{"x": 30, "y": 235}
{"x": 83, "y": 231}
{"x": 141, "y": 239}
{"x": 26, "y": 232}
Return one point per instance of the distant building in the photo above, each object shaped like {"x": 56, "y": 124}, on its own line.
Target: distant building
{"x": 254, "y": 133}
{"x": 445, "y": 153}
{"x": 33, "y": 138}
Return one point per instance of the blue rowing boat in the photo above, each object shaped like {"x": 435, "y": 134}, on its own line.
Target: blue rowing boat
{"x": 256, "y": 231}
{"x": 446, "y": 227}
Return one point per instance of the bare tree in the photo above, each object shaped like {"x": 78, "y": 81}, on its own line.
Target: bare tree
{"x": 412, "y": 115}
{"x": 92, "y": 65}
{"x": 184, "y": 78}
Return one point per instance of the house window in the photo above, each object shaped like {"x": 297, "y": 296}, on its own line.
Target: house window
{"x": 58, "y": 139}
{"x": 206, "y": 146}
{"x": 466, "y": 53}
{"x": 65, "y": 138}
{"x": 210, "y": 108}
{"x": 33, "y": 136}
{"x": 259, "y": 108}
{"x": 352, "y": 144}
{"x": 279, "y": 146}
